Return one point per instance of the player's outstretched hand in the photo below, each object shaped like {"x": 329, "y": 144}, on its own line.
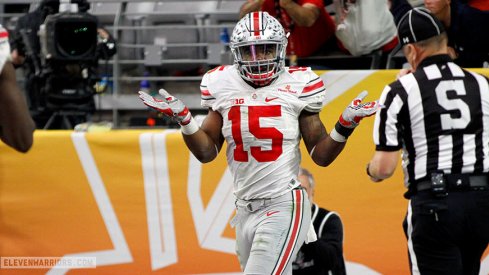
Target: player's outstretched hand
{"x": 168, "y": 105}
{"x": 356, "y": 111}
{"x": 351, "y": 116}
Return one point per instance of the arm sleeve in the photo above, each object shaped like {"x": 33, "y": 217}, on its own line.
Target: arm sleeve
{"x": 387, "y": 130}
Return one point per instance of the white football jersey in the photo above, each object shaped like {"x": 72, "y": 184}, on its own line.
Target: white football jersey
{"x": 261, "y": 126}
{"x": 4, "y": 47}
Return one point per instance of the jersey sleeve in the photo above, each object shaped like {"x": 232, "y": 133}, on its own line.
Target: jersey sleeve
{"x": 207, "y": 99}
{"x": 313, "y": 93}
{"x": 4, "y": 47}
{"x": 387, "y": 132}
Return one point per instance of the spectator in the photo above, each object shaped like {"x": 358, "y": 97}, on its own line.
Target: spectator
{"x": 16, "y": 125}
{"x": 482, "y": 5}
{"x": 262, "y": 109}
{"x": 438, "y": 114}
{"x": 324, "y": 256}
{"x": 461, "y": 20}
{"x": 462, "y": 23}
{"x": 398, "y": 8}
{"x": 311, "y": 28}
{"x": 365, "y": 26}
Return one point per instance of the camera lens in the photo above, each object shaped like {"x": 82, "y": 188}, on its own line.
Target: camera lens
{"x": 75, "y": 39}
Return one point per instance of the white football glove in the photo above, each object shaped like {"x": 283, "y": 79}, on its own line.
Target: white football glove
{"x": 170, "y": 106}
{"x": 351, "y": 116}
{"x": 356, "y": 111}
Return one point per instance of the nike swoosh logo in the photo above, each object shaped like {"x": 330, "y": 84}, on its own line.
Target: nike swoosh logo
{"x": 269, "y": 213}
{"x": 268, "y": 99}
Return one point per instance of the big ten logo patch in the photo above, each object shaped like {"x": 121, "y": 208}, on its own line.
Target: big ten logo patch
{"x": 237, "y": 101}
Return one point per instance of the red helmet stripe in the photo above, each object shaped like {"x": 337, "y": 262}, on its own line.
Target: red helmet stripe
{"x": 256, "y": 23}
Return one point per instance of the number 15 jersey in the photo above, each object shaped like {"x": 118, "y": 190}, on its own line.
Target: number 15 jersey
{"x": 261, "y": 126}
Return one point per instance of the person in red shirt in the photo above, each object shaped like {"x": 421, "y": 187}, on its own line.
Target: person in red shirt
{"x": 307, "y": 21}
{"x": 482, "y": 5}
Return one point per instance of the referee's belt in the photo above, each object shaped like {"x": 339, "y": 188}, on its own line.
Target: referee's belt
{"x": 459, "y": 182}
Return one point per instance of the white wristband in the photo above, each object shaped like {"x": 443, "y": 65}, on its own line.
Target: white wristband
{"x": 190, "y": 128}
{"x": 337, "y": 136}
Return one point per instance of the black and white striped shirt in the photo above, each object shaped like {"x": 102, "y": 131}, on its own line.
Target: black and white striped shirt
{"x": 439, "y": 116}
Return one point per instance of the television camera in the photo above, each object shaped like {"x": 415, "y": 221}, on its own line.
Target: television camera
{"x": 66, "y": 69}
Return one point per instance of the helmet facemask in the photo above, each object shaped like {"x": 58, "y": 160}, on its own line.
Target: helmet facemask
{"x": 259, "y": 63}
{"x": 258, "y": 45}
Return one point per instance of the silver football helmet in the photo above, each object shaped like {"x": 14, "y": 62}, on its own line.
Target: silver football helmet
{"x": 258, "y": 44}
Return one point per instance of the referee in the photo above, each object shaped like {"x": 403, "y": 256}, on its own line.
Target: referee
{"x": 438, "y": 115}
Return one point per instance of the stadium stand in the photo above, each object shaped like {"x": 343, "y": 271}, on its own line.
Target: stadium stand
{"x": 169, "y": 43}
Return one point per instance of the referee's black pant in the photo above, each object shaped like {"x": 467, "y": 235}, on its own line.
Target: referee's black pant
{"x": 447, "y": 235}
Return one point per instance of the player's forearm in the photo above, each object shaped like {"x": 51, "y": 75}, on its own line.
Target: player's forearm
{"x": 21, "y": 140}
{"x": 321, "y": 147}
{"x": 16, "y": 124}
{"x": 201, "y": 146}
{"x": 17, "y": 128}
{"x": 326, "y": 151}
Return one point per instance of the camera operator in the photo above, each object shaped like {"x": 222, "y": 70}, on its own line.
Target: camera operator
{"x": 44, "y": 77}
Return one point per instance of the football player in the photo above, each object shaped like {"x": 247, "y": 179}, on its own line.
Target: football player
{"x": 262, "y": 109}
